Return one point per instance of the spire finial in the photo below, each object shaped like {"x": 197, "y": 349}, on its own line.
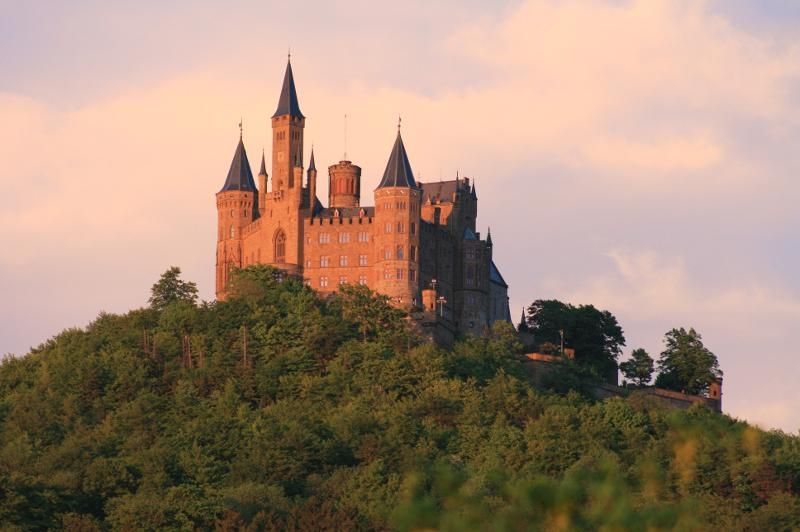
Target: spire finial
{"x": 289, "y": 54}
{"x": 399, "y": 122}
{"x": 241, "y": 130}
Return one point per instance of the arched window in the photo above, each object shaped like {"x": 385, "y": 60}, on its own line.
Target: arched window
{"x": 280, "y": 247}
{"x": 233, "y": 232}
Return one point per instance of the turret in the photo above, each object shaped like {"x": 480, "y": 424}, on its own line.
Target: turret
{"x": 312, "y": 183}
{"x": 397, "y": 219}
{"x": 344, "y": 185}
{"x": 262, "y": 184}
{"x": 237, "y": 207}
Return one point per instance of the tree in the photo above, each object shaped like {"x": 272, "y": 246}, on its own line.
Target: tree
{"x": 171, "y": 288}
{"x": 639, "y": 368}
{"x": 686, "y": 365}
{"x": 595, "y": 334}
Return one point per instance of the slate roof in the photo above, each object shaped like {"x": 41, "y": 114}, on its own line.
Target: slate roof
{"x": 442, "y": 190}
{"x": 398, "y": 170}
{"x": 240, "y": 176}
{"x": 263, "y": 170}
{"x": 288, "y": 103}
{"x": 495, "y": 277}
{"x": 469, "y": 234}
{"x": 311, "y": 164}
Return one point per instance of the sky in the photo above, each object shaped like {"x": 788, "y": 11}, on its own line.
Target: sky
{"x": 638, "y": 155}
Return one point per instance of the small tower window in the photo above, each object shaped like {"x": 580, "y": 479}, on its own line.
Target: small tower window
{"x": 233, "y": 232}
{"x": 400, "y": 252}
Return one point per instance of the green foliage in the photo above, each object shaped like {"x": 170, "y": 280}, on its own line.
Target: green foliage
{"x": 170, "y": 288}
{"x": 639, "y": 368}
{"x": 278, "y": 410}
{"x": 595, "y": 334}
{"x": 686, "y": 364}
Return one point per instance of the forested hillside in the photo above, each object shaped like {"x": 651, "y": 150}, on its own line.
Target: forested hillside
{"x": 279, "y": 410}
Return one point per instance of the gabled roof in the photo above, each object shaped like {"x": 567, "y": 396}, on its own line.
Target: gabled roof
{"x": 398, "y": 170}
{"x": 495, "y": 277}
{"x": 287, "y": 103}
{"x": 442, "y": 190}
{"x": 469, "y": 234}
{"x": 240, "y": 176}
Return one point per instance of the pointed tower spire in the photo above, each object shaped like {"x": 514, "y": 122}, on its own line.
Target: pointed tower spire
{"x": 240, "y": 176}
{"x": 288, "y": 103}
{"x": 263, "y": 170}
{"x": 398, "y": 170}
{"x": 472, "y": 192}
{"x": 311, "y": 165}
{"x": 489, "y": 236}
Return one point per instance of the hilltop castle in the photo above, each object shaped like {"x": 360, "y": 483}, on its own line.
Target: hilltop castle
{"x": 418, "y": 244}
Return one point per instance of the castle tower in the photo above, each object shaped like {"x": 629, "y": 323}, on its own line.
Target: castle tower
{"x": 397, "y": 229}
{"x": 344, "y": 185}
{"x": 287, "y": 137}
{"x": 237, "y": 206}
{"x": 286, "y": 201}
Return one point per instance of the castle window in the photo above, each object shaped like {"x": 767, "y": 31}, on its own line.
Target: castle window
{"x": 233, "y": 232}
{"x": 413, "y": 228}
{"x": 399, "y": 252}
{"x": 362, "y": 260}
{"x": 387, "y": 274}
{"x": 342, "y": 280}
{"x": 412, "y": 275}
{"x": 308, "y": 264}
{"x": 342, "y": 260}
{"x": 280, "y": 247}
{"x": 412, "y": 253}
{"x": 400, "y": 274}
{"x": 363, "y": 236}
{"x": 471, "y": 299}
{"x": 401, "y": 228}
{"x": 388, "y": 228}
{"x": 324, "y": 238}
{"x": 323, "y": 282}
{"x": 323, "y": 261}
{"x": 362, "y": 280}
{"x": 387, "y": 253}
{"x": 470, "y": 253}
{"x": 232, "y": 211}
{"x": 344, "y": 238}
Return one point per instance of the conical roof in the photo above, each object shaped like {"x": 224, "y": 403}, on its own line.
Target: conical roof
{"x": 263, "y": 170}
{"x": 288, "y": 103}
{"x": 311, "y": 164}
{"x": 240, "y": 176}
{"x": 398, "y": 170}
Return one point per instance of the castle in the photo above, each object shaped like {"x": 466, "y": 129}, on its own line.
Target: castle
{"x": 418, "y": 244}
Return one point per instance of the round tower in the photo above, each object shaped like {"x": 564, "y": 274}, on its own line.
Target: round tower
{"x": 237, "y": 207}
{"x": 344, "y": 185}
{"x": 397, "y": 226}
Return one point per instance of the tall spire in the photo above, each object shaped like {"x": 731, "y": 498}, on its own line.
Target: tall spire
{"x": 398, "y": 170}
{"x": 263, "y": 170}
{"x": 240, "y": 176}
{"x": 311, "y": 165}
{"x": 489, "y": 236}
{"x": 287, "y": 103}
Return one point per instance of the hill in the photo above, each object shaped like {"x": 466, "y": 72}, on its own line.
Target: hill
{"x": 280, "y": 410}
